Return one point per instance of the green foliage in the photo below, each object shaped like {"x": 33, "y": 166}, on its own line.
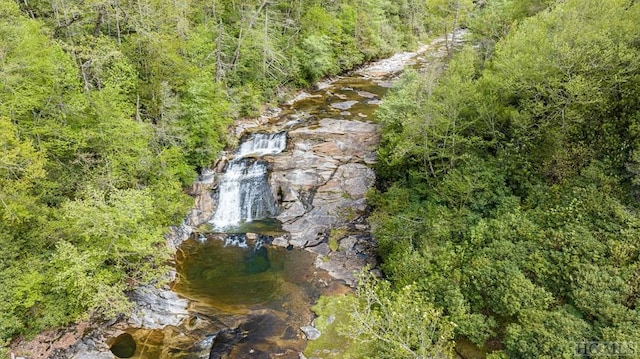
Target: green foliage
{"x": 417, "y": 119}
{"x": 335, "y": 236}
{"x": 21, "y": 166}
{"x": 445, "y": 15}
{"x": 378, "y": 322}
{"x": 554, "y": 332}
{"x": 497, "y": 17}
{"x": 333, "y": 315}
{"x": 397, "y": 323}
{"x": 108, "y": 109}
{"x": 316, "y": 57}
{"x": 84, "y": 198}
{"x": 204, "y": 122}
{"x": 510, "y": 182}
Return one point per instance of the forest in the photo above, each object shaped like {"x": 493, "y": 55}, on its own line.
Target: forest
{"x": 109, "y": 108}
{"x": 506, "y": 211}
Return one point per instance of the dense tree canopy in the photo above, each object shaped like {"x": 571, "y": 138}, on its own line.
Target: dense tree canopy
{"x": 509, "y": 194}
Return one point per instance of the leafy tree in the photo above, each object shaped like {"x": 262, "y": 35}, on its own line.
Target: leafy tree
{"x": 392, "y": 324}
{"x": 546, "y": 334}
{"x": 21, "y": 166}
{"x": 508, "y": 192}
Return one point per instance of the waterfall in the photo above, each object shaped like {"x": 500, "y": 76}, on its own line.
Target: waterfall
{"x": 261, "y": 144}
{"x": 244, "y": 194}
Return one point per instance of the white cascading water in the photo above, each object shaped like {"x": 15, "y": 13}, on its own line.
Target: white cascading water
{"x": 244, "y": 193}
{"x": 262, "y": 144}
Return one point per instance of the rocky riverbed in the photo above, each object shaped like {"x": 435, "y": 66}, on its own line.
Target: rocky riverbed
{"x": 320, "y": 180}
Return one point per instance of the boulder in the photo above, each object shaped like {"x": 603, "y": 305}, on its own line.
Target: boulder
{"x": 157, "y": 308}
{"x": 354, "y": 253}
{"x": 310, "y": 332}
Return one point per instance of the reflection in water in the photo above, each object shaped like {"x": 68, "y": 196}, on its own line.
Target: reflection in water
{"x": 270, "y": 287}
{"x": 248, "y": 300}
{"x": 257, "y": 261}
{"x": 235, "y": 272}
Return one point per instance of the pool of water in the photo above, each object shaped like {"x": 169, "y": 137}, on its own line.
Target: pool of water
{"x": 270, "y": 287}
{"x": 242, "y": 273}
{"x": 254, "y": 296}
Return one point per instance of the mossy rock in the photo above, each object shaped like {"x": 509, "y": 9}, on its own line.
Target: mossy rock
{"x": 333, "y": 316}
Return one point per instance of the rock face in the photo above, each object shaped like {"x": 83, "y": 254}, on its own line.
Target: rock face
{"x": 204, "y": 206}
{"x": 324, "y": 178}
{"x": 156, "y": 308}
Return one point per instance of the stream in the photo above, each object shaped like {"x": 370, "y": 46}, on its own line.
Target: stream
{"x": 278, "y": 221}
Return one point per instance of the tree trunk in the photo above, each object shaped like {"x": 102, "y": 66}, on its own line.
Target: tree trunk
{"x": 252, "y": 20}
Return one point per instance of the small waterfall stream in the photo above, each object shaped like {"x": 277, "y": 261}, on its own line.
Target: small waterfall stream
{"x": 262, "y": 144}
{"x": 244, "y": 194}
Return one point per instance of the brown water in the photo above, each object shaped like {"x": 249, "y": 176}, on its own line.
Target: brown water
{"x": 363, "y": 94}
{"x": 271, "y": 286}
{"x": 263, "y": 293}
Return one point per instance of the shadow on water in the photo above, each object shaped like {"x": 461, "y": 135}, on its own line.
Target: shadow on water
{"x": 270, "y": 286}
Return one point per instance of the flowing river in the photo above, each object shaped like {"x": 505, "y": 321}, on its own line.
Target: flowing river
{"x": 278, "y": 222}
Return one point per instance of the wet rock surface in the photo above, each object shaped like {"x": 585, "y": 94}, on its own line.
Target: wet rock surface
{"x": 156, "y": 308}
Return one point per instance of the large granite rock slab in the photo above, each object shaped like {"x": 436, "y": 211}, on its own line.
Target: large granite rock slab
{"x": 324, "y": 175}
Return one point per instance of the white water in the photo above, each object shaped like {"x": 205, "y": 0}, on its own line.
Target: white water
{"x": 261, "y": 144}
{"x": 239, "y": 241}
{"x": 244, "y": 194}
